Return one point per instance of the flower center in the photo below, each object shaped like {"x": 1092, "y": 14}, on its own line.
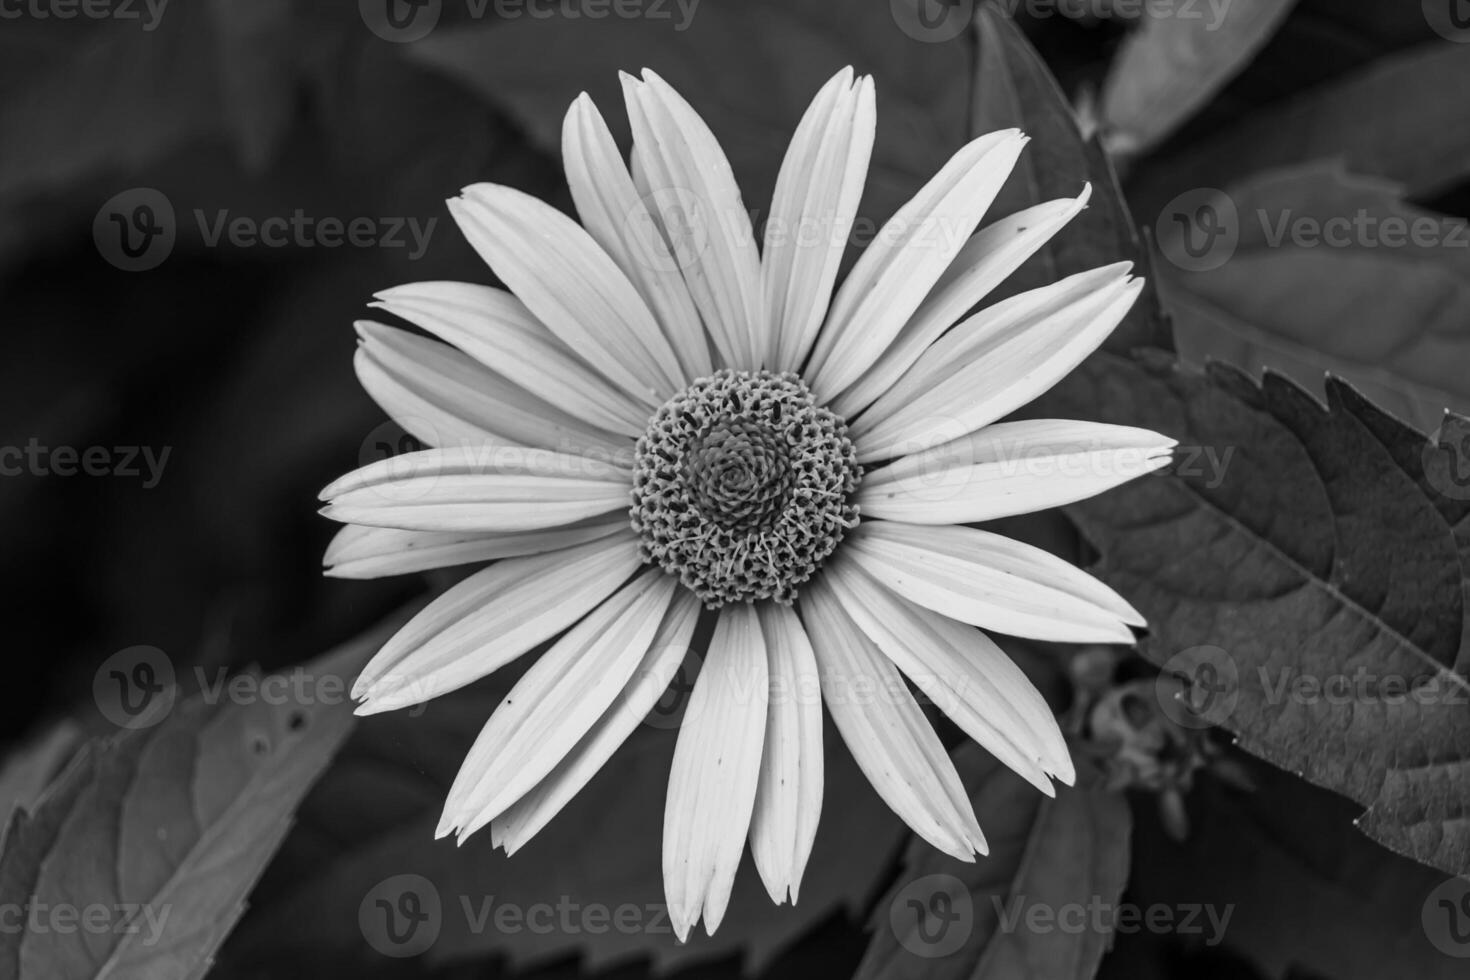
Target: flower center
{"x": 742, "y": 486}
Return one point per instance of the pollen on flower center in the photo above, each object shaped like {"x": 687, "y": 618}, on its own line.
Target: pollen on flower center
{"x": 743, "y": 485}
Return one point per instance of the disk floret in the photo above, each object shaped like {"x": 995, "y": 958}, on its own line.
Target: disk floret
{"x": 743, "y": 485}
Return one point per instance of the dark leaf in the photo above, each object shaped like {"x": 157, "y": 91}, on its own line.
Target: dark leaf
{"x": 1283, "y": 880}
{"x": 1013, "y": 87}
{"x": 1304, "y": 569}
{"x": 367, "y": 834}
{"x": 1331, "y": 272}
{"x": 150, "y": 840}
{"x": 988, "y": 920}
{"x": 1172, "y": 64}
{"x": 1397, "y": 118}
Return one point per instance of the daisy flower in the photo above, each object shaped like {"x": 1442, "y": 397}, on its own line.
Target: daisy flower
{"x": 660, "y": 420}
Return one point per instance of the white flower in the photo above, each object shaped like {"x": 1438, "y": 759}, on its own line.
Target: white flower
{"x": 798, "y": 464}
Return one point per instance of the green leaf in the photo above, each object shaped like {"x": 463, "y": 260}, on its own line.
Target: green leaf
{"x": 1013, "y": 87}
{"x": 1337, "y": 273}
{"x": 1174, "y": 64}
{"x": 156, "y": 835}
{"x": 945, "y": 918}
{"x": 369, "y": 829}
{"x": 1293, "y": 546}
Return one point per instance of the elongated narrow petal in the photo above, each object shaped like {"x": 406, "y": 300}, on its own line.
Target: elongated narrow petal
{"x": 359, "y": 552}
{"x": 497, "y": 489}
{"x": 446, "y": 398}
{"x": 692, "y": 186}
{"x": 962, "y": 671}
{"x": 988, "y": 258}
{"x": 525, "y": 818}
{"x": 788, "y": 799}
{"x": 712, "y": 784}
{"x": 489, "y": 619}
{"x": 812, "y": 213}
{"x": 1011, "y": 468}
{"x": 995, "y": 362}
{"x": 908, "y": 256}
{"x": 571, "y": 285}
{"x": 557, "y": 702}
{"x": 496, "y": 329}
{"x": 993, "y": 582}
{"x": 886, "y": 731}
{"x": 620, "y": 220}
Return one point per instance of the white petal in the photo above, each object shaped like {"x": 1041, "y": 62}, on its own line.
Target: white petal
{"x": 964, "y": 673}
{"x": 988, "y": 258}
{"x": 525, "y": 818}
{"x": 693, "y": 188}
{"x": 480, "y": 488}
{"x": 620, "y": 220}
{"x": 1011, "y": 468}
{"x": 489, "y": 619}
{"x": 496, "y": 329}
{"x": 571, "y": 285}
{"x": 446, "y": 398}
{"x": 812, "y": 213}
{"x": 358, "y": 552}
{"x": 712, "y": 783}
{"x": 555, "y": 703}
{"x": 886, "y": 731}
{"x": 993, "y": 582}
{"x": 788, "y": 800}
{"x": 908, "y": 256}
{"x": 995, "y": 362}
